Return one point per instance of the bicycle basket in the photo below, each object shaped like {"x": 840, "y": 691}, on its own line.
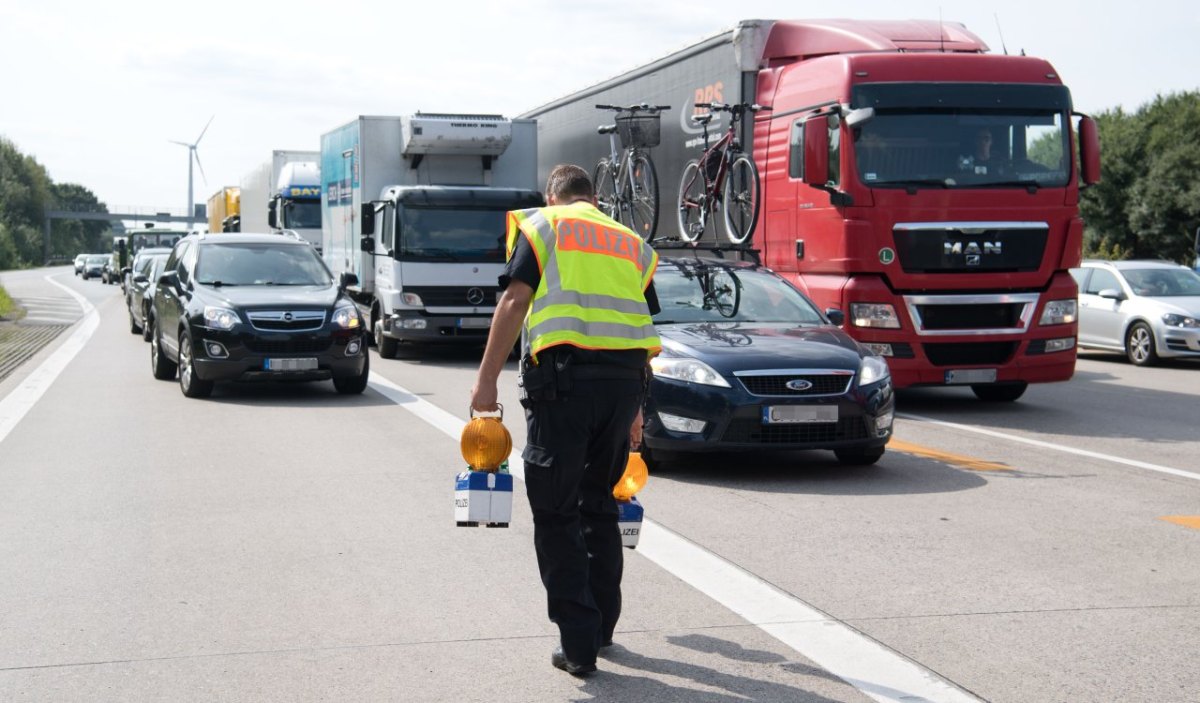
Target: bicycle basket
{"x": 638, "y": 131}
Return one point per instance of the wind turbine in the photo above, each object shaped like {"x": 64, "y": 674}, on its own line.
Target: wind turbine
{"x": 194, "y": 155}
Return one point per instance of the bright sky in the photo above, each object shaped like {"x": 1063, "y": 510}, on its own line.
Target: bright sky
{"x": 96, "y": 90}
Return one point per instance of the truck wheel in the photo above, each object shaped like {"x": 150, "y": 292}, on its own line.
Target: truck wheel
{"x": 386, "y": 345}
{"x": 999, "y": 393}
{"x": 1139, "y": 345}
{"x": 353, "y": 385}
{"x": 858, "y": 456}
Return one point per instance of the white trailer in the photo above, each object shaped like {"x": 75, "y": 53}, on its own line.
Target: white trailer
{"x": 284, "y": 193}
{"x": 415, "y": 208}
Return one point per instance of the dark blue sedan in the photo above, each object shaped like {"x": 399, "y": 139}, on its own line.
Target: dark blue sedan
{"x": 749, "y": 362}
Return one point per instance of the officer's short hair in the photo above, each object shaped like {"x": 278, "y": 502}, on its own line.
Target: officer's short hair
{"x": 569, "y": 182}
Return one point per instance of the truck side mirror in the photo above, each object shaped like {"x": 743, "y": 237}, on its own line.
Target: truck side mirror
{"x": 1089, "y": 150}
{"x": 367, "y": 220}
{"x": 271, "y": 217}
{"x": 367, "y": 244}
{"x": 816, "y": 151}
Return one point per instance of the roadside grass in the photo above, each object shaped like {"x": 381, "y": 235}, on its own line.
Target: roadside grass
{"x": 7, "y": 306}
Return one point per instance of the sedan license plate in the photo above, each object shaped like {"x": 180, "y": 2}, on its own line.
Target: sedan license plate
{"x": 792, "y": 414}
{"x": 475, "y": 322}
{"x": 961, "y": 376}
{"x": 305, "y": 364}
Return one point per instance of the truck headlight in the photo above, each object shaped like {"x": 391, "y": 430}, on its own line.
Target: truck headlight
{"x": 412, "y": 299}
{"x": 1174, "y": 320}
{"x": 688, "y": 370}
{"x": 872, "y": 370}
{"x": 1059, "y": 312}
{"x": 219, "y": 318}
{"x": 347, "y": 318}
{"x": 880, "y": 315}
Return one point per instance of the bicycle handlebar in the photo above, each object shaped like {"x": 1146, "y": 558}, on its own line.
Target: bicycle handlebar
{"x": 736, "y": 108}
{"x": 640, "y": 107}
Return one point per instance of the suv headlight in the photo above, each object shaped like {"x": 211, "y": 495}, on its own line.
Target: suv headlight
{"x": 347, "y": 318}
{"x": 682, "y": 368}
{"x": 872, "y": 370}
{"x": 219, "y": 318}
{"x": 1059, "y": 312}
{"x": 1180, "y": 320}
{"x": 880, "y": 315}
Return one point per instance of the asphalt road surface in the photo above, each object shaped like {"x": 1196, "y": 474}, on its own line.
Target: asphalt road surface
{"x": 285, "y": 543}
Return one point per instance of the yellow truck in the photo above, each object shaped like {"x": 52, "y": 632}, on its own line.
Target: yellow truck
{"x": 224, "y": 210}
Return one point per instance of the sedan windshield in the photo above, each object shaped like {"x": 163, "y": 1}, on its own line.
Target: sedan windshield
{"x": 260, "y": 265}
{"x": 1162, "y": 283}
{"x": 704, "y": 293}
{"x": 98, "y": 259}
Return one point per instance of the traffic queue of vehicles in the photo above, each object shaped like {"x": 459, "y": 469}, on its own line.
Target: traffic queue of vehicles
{"x": 889, "y": 248}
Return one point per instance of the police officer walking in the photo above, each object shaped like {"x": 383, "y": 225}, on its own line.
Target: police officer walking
{"x": 581, "y": 283}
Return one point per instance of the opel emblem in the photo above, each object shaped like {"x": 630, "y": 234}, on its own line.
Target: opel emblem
{"x": 287, "y": 316}
{"x": 475, "y": 296}
{"x": 798, "y": 384}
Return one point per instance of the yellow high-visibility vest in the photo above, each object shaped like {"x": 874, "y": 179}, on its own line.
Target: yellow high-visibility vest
{"x": 595, "y": 272}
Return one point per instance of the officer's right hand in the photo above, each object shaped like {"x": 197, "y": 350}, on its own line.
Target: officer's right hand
{"x": 484, "y": 397}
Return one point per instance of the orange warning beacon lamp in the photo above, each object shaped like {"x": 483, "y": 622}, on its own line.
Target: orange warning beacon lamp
{"x": 629, "y": 510}
{"x": 486, "y": 443}
{"x": 483, "y": 493}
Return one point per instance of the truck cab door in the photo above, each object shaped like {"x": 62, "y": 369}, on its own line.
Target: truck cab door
{"x": 385, "y": 249}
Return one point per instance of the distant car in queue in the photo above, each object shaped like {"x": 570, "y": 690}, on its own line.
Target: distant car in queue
{"x": 748, "y": 362}
{"x": 93, "y": 266}
{"x": 79, "y": 261}
{"x": 139, "y": 294}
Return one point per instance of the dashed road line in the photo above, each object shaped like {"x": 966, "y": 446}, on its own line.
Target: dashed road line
{"x": 877, "y": 671}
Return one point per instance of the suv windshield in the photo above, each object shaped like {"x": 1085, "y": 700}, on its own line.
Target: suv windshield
{"x": 702, "y": 293}
{"x": 260, "y": 265}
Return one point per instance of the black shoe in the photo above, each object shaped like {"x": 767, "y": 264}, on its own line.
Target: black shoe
{"x": 560, "y": 661}
{"x": 606, "y": 643}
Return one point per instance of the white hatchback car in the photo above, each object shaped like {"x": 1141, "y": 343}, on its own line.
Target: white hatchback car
{"x": 1147, "y": 309}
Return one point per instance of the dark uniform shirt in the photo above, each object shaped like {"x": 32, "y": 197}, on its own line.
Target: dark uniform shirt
{"x": 523, "y": 266}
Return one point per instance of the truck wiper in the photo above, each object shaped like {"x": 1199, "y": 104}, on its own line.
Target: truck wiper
{"x": 1030, "y": 185}
{"x": 442, "y": 253}
{"x": 911, "y": 184}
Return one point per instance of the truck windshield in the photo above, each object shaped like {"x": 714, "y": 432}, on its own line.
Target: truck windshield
{"x": 302, "y": 214}
{"x": 434, "y": 234}
{"x": 958, "y": 148}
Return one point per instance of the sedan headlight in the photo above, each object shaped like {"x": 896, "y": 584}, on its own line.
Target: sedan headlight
{"x": 688, "y": 370}
{"x": 880, "y": 315}
{"x": 346, "y": 318}
{"x": 872, "y": 370}
{"x": 219, "y": 318}
{"x": 1174, "y": 320}
{"x": 1059, "y": 312}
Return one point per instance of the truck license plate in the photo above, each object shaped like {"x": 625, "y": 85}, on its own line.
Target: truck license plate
{"x": 961, "y": 376}
{"x": 305, "y": 364}
{"x": 785, "y": 414}
{"x": 475, "y": 322}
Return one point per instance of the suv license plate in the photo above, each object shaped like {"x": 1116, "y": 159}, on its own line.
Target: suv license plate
{"x": 960, "y": 376}
{"x": 792, "y": 414}
{"x": 474, "y": 322}
{"x": 307, "y": 364}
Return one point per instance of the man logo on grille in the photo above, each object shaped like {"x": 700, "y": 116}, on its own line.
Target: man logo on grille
{"x": 798, "y": 384}
{"x": 475, "y": 296}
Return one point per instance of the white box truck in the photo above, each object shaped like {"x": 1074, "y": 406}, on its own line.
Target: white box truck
{"x": 415, "y": 207}
{"x": 284, "y": 193}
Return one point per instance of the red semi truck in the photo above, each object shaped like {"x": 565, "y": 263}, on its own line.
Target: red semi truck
{"x": 923, "y": 187}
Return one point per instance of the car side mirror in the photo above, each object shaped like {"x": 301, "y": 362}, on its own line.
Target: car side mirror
{"x": 837, "y": 317}
{"x": 170, "y": 278}
{"x": 126, "y": 270}
{"x": 348, "y": 278}
{"x": 1111, "y": 294}
{"x": 140, "y": 278}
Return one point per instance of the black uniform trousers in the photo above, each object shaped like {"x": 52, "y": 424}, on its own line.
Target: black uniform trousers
{"x": 575, "y": 452}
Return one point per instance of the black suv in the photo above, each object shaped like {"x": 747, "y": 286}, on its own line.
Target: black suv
{"x": 254, "y": 307}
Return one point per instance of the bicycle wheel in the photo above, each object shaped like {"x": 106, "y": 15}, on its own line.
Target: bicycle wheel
{"x": 692, "y": 205}
{"x": 740, "y": 199}
{"x": 606, "y": 192}
{"x": 641, "y": 192}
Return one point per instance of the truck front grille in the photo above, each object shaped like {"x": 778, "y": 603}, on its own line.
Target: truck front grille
{"x": 456, "y": 296}
{"x": 970, "y": 353}
{"x": 970, "y": 247}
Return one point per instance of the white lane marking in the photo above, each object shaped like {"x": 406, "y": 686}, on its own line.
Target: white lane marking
{"x": 877, "y": 671}
{"x": 1056, "y": 447}
{"x": 21, "y": 400}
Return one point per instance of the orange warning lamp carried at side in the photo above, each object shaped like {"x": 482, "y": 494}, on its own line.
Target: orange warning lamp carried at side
{"x": 633, "y": 479}
{"x": 486, "y": 442}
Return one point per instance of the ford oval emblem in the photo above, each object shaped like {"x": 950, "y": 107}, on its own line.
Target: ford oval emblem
{"x": 475, "y": 296}
{"x": 798, "y": 385}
